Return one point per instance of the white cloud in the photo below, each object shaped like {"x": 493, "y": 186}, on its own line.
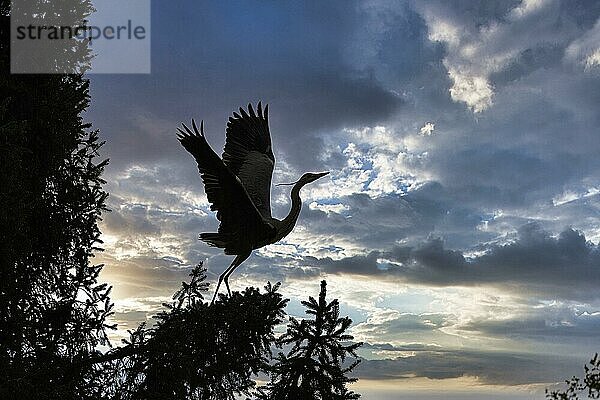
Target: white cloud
{"x": 571, "y": 195}
{"x": 329, "y": 208}
{"x": 593, "y": 60}
{"x": 526, "y": 8}
{"x": 379, "y": 161}
{"x": 475, "y": 91}
{"x": 585, "y": 50}
{"x": 280, "y": 249}
{"x": 443, "y": 30}
{"x": 427, "y": 129}
{"x": 475, "y": 52}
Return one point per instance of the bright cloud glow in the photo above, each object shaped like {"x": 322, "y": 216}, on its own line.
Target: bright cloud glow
{"x": 427, "y": 129}
{"x": 379, "y": 161}
{"x": 475, "y": 91}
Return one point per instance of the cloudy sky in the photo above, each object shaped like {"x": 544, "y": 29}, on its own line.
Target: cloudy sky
{"x": 459, "y": 226}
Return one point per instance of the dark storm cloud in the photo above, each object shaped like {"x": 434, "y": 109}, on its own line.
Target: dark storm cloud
{"x": 506, "y": 178}
{"x": 565, "y": 266}
{"x": 278, "y": 269}
{"x": 374, "y": 223}
{"x": 502, "y": 368}
{"x": 360, "y": 265}
{"x": 391, "y": 40}
{"x": 549, "y": 324}
{"x": 528, "y": 61}
{"x": 291, "y": 57}
{"x": 551, "y": 123}
{"x": 429, "y": 263}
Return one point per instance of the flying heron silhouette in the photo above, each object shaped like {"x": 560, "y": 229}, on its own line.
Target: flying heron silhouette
{"x": 238, "y": 186}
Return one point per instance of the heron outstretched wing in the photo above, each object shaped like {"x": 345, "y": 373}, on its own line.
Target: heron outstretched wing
{"x": 240, "y": 219}
{"x": 249, "y": 155}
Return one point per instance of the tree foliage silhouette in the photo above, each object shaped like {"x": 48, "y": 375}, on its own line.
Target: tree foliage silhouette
{"x": 202, "y": 351}
{"x": 590, "y": 384}
{"x": 313, "y": 368}
{"x": 198, "y": 351}
{"x": 52, "y": 309}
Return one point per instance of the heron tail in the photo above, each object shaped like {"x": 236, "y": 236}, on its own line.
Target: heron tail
{"x": 214, "y": 239}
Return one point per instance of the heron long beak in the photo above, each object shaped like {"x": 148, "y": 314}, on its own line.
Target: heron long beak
{"x": 286, "y": 184}
{"x": 312, "y": 178}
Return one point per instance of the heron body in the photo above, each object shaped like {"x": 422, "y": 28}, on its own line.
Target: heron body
{"x": 238, "y": 186}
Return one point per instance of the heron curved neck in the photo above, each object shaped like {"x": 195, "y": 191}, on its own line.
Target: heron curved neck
{"x": 289, "y": 222}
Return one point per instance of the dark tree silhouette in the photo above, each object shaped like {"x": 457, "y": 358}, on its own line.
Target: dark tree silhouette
{"x": 313, "y": 368}
{"x": 52, "y": 309}
{"x": 202, "y": 351}
{"x": 589, "y": 385}
{"x": 197, "y": 350}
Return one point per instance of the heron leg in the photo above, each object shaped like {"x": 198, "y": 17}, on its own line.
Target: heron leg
{"x": 217, "y": 289}
{"x": 236, "y": 262}
{"x": 227, "y": 286}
